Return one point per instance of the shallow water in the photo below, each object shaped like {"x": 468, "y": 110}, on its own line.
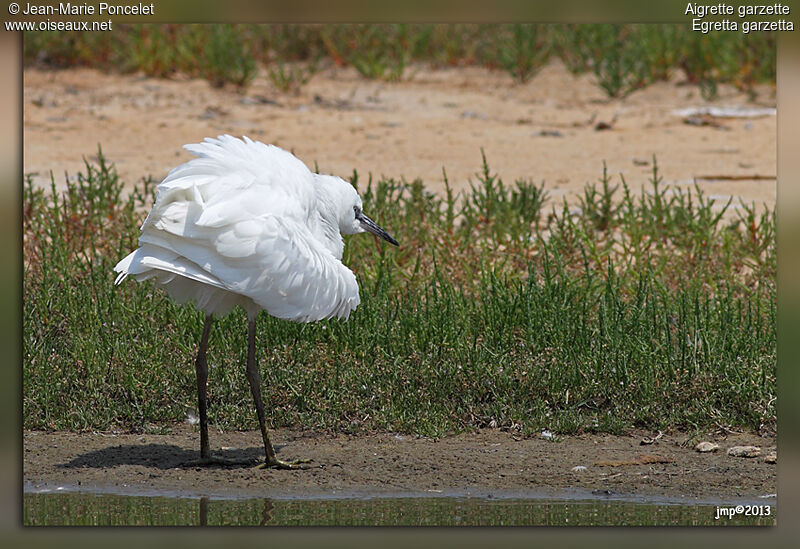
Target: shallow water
{"x": 89, "y": 509}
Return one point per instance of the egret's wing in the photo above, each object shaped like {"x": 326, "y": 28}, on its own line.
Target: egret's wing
{"x": 233, "y": 178}
{"x": 275, "y": 262}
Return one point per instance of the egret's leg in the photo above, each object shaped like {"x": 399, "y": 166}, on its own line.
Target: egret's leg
{"x": 255, "y": 387}
{"x": 201, "y": 368}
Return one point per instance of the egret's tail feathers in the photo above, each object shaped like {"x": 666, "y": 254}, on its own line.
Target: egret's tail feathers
{"x": 183, "y": 280}
{"x": 123, "y": 268}
{"x": 144, "y": 261}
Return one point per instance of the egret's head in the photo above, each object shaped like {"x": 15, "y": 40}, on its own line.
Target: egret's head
{"x": 348, "y": 210}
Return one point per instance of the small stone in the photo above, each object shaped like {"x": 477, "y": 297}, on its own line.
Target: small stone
{"x": 744, "y": 451}
{"x": 705, "y": 446}
{"x": 651, "y": 440}
{"x": 550, "y": 133}
{"x": 473, "y": 114}
{"x": 772, "y": 457}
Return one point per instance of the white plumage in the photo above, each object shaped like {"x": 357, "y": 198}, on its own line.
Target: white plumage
{"x": 248, "y": 224}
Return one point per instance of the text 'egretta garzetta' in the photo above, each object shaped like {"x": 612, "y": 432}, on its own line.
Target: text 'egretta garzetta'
{"x": 248, "y": 224}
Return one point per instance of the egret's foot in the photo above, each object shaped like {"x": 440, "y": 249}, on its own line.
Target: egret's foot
{"x": 278, "y": 464}
{"x": 219, "y": 460}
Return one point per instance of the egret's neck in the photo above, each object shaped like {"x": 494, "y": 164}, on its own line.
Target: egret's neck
{"x": 328, "y": 223}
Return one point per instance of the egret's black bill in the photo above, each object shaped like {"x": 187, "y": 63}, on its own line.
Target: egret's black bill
{"x": 372, "y": 227}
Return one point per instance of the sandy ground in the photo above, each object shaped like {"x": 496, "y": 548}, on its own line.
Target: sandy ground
{"x": 546, "y": 130}
{"x": 485, "y": 463}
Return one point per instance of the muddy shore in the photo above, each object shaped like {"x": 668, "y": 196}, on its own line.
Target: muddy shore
{"x": 485, "y": 463}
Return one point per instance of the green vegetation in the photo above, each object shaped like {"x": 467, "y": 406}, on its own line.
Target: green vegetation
{"x": 624, "y": 58}
{"x": 648, "y": 309}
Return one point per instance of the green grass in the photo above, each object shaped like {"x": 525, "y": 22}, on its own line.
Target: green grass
{"x": 623, "y": 58}
{"x": 499, "y": 308}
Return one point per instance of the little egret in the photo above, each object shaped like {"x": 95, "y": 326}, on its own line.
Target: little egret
{"x": 248, "y": 224}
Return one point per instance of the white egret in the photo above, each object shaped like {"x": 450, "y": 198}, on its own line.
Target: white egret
{"x": 248, "y": 224}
